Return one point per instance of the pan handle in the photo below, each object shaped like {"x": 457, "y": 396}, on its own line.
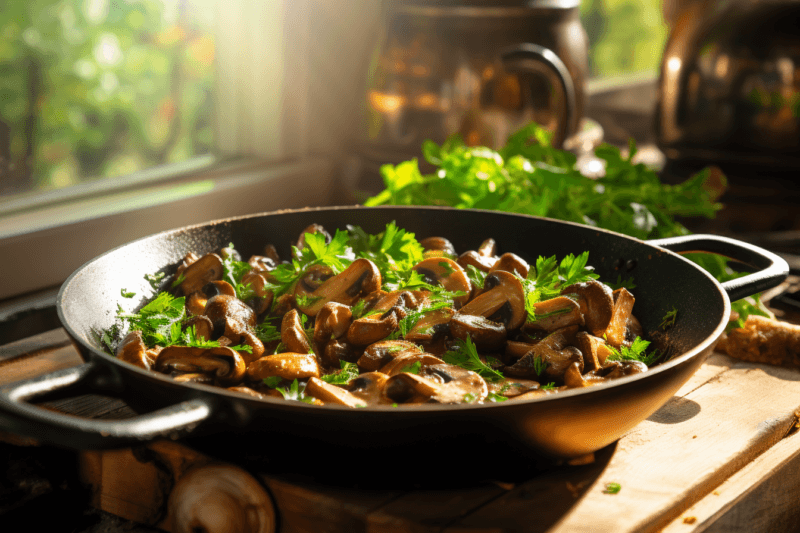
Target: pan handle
{"x": 19, "y": 417}
{"x": 772, "y": 269}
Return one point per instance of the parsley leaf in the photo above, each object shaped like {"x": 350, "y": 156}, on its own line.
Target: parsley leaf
{"x": 154, "y": 279}
{"x": 466, "y": 356}
{"x": 267, "y": 332}
{"x": 494, "y": 397}
{"x": 159, "y": 321}
{"x": 634, "y": 352}
{"x": 295, "y": 392}
{"x": 125, "y": 294}
{"x": 477, "y": 277}
{"x": 549, "y": 386}
{"x": 394, "y": 251}
{"x": 233, "y": 271}
{"x": 548, "y": 277}
{"x": 612, "y": 488}
{"x": 669, "y": 319}
{"x": 626, "y": 283}
{"x": 348, "y": 372}
{"x": 412, "y": 368}
{"x": 469, "y": 398}
{"x": 180, "y": 279}
{"x": 273, "y": 381}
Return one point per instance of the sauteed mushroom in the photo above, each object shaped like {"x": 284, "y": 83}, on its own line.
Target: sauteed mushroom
{"x": 351, "y": 324}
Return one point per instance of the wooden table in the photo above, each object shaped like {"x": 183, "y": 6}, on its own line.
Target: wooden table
{"x": 722, "y": 455}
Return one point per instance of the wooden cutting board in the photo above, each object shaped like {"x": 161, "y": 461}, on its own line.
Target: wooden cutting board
{"x": 721, "y": 455}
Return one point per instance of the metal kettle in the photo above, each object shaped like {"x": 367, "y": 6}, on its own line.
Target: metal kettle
{"x": 730, "y": 84}
{"x": 480, "y": 68}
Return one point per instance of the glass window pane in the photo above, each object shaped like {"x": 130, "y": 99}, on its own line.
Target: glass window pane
{"x": 99, "y": 89}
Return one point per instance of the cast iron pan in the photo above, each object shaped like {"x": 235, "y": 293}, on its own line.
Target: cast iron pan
{"x": 276, "y": 433}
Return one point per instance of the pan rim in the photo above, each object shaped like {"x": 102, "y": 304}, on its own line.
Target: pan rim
{"x": 235, "y": 396}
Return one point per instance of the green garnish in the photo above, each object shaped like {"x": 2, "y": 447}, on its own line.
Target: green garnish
{"x": 272, "y": 382}
{"x": 180, "y": 279}
{"x": 612, "y": 488}
{"x": 295, "y": 392}
{"x": 154, "y": 279}
{"x": 549, "y": 386}
{"x": 548, "y": 277}
{"x": 494, "y": 397}
{"x": 126, "y": 294}
{"x": 412, "y": 368}
{"x": 528, "y": 175}
{"x": 447, "y": 268}
{"x": 408, "y": 322}
{"x": 466, "y": 356}
{"x": 469, "y": 398}
{"x": 477, "y": 277}
{"x": 159, "y": 321}
{"x": 669, "y": 319}
{"x": 626, "y": 283}
{"x": 394, "y": 251}
{"x": 634, "y": 352}
{"x": 348, "y": 372}
{"x": 190, "y": 338}
{"x": 304, "y": 300}
{"x": 233, "y": 271}
{"x": 539, "y": 365}
{"x": 267, "y": 332}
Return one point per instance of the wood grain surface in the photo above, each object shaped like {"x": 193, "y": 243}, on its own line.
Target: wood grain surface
{"x": 716, "y": 457}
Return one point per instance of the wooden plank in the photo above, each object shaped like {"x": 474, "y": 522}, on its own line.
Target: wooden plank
{"x": 55, "y": 338}
{"x": 670, "y": 461}
{"x": 761, "y": 498}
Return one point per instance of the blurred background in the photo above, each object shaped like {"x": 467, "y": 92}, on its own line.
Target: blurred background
{"x": 101, "y": 89}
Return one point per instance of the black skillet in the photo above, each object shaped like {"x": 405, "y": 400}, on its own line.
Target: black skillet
{"x": 567, "y": 424}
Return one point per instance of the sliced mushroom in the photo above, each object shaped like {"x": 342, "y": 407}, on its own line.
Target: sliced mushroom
{"x": 597, "y": 304}
{"x": 361, "y": 277}
{"x": 257, "y": 348}
{"x": 553, "y": 351}
{"x": 513, "y": 263}
{"x": 282, "y": 305}
{"x": 481, "y": 262}
{"x": 229, "y": 315}
{"x": 332, "y": 322}
{"x": 313, "y": 278}
{"x": 250, "y": 392}
{"x": 132, "y": 349}
{"x": 337, "y": 351}
{"x": 224, "y": 363}
{"x": 488, "y": 248}
{"x": 293, "y": 336}
{"x": 262, "y": 301}
{"x": 503, "y": 300}
{"x": 410, "y": 388}
{"x": 196, "y": 302}
{"x": 372, "y": 328}
{"x": 203, "y": 327}
{"x": 515, "y": 350}
{"x": 198, "y": 274}
{"x": 510, "y": 389}
{"x": 594, "y": 350}
{"x": 261, "y": 263}
{"x": 618, "y": 369}
{"x": 431, "y": 326}
{"x": 556, "y": 313}
{"x": 447, "y": 273}
{"x": 457, "y": 384}
{"x": 485, "y": 333}
{"x": 633, "y": 330}
{"x": 402, "y": 299}
{"x": 369, "y": 388}
{"x": 289, "y": 366}
{"x": 617, "y": 327}
{"x": 573, "y": 378}
{"x": 328, "y": 393}
{"x": 188, "y": 259}
{"x": 380, "y": 353}
{"x": 439, "y": 244}
{"x": 193, "y": 377}
{"x": 407, "y": 359}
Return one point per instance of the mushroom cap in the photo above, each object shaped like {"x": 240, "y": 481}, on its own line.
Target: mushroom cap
{"x": 556, "y": 313}
{"x": 332, "y": 322}
{"x": 512, "y": 263}
{"x": 370, "y": 329}
{"x": 456, "y": 383}
{"x": 231, "y": 317}
{"x": 207, "y": 268}
{"x": 618, "y": 326}
{"x": 408, "y": 358}
{"x": 336, "y": 351}
{"x": 485, "y": 333}
{"x": 328, "y": 393}
{"x": 292, "y": 334}
{"x": 447, "y": 273}
{"x": 369, "y": 387}
{"x": 380, "y": 353}
{"x": 500, "y": 288}
{"x": 431, "y": 326}
{"x": 132, "y": 349}
{"x": 361, "y": 277}
{"x": 481, "y": 262}
{"x": 439, "y": 244}
{"x": 224, "y": 363}
{"x": 597, "y": 304}
{"x": 289, "y": 366}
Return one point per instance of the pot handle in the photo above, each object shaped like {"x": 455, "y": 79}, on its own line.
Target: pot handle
{"x": 772, "y": 269}
{"x": 528, "y": 57}
{"x": 19, "y": 417}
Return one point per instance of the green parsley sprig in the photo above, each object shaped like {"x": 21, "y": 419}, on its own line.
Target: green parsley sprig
{"x": 466, "y": 356}
{"x": 635, "y": 352}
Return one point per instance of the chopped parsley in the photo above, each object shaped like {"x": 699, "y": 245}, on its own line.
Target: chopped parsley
{"x": 125, "y": 294}
{"x": 612, "y": 488}
{"x": 477, "y": 277}
{"x": 348, "y": 372}
{"x": 469, "y": 398}
{"x": 634, "y": 352}
{"x": 549, "y": 386}
{"x": 267, "y": 332}
{"x": 548, "y": 277}
{"x": 180, "y": 279}
{"x": 273, "y": 381}
{"x": 154, "y": 279}
{"x": 494, "y": 397}
{"x": 669, "y": 319}
{"x": 295, "y": 392}
{"x": 412, "y": 368}
{"x": 159, "y": 321}
{"x": 621, "y": 283}
{"x": 466, "y": 356}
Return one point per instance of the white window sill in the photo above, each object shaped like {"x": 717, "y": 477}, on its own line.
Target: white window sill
{"x": 43, "y": 245}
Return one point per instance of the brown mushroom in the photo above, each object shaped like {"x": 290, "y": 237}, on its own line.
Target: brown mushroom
{"x": 447, "y": 273}
{"x": 196, "y": 302}
{"x": 513, "y": 263}
{"x": 380, "y": 353}
{"x": 293, "y": 336}
{"x": 332, "y": 322}
{"x": 288, "y": 365}
{"x": 373, "y": 328}
{"x": 485, "y": 333}
{"x": 488, "y": 248}
{"x": 440, "y": 383}
{"x": 596, "y": 302}
{"x": 336, "y": 351}
{"x": 311, "y": 280}
{"x": 202, "y": 325}
{"x": 510, "y": 389}
{"x": 556, "y": 313}
{"x": 503, "y": 300}
{"x": 369, "y": 388}
{"x": 573, "y": 378}
{"x": 407, "y": 359}
{"x": 438, "y": 244}
{"x": 262, "y": 299}
{"x": 132, "y": 349}
{"x": 253, "y": 393}
{"x": 618, "y": 369}
{"x": 224, "y": 363}
{"x": 553, "y": 351}
{"x": 198, "y": 274}
{"x": 617, "y": 327}
{"x": 360, "y": 278}
{"x": 328, "y": 393}
{"x": 594, "y": 350}
{"x": 257, "y": 348}
{"x": 188, "y": 259}
{"x": 229, "y": 315}
{"x": 193, "y": 377}
{"x": 431, "y": 326}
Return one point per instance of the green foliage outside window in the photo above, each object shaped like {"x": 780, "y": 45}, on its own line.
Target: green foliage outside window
{"x": 625, "y": 36}
{"x": 101, "y": 88}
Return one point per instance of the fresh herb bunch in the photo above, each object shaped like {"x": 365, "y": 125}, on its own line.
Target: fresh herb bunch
{"x": 528, "y": 175}
{"x": 548, "y": 277}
